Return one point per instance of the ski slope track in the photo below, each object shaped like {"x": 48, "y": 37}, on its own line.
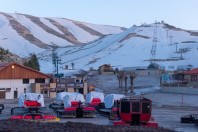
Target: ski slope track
{"x": 89, "y": 45}
{"x": 25, "y": 34}
{"x": 132, "y": 48}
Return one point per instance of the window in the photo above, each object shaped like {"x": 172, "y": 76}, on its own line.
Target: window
{"x": 135, "y": 107}
{"x": 8, "y": 89}
{"x": 24, "y": 90}
{"x": 146, "y": 106}
{"x": 40, "y": 80}
{"x": 194, "y": 78}
{"x": 25, "y": 81}
{"x": 125, "y": 107}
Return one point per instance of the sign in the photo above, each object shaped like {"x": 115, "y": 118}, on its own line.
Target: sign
{"x": 59, "y": 75}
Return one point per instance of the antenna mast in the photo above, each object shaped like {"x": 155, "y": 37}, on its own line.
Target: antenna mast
{"x": 154, "y": 44}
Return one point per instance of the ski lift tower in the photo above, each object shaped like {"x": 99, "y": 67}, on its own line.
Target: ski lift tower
{"x": 154, "y": 44}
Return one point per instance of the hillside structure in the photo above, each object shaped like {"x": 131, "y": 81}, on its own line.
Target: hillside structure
{"x": 75, "y": 83}
{"x": 192, "y": 77}
{"x": 106, "y": 69}
{"x": 16, "y": 79}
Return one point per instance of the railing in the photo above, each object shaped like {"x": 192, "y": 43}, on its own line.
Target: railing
{"x": 44, "y": 84}
{"x": 74, "y": 85}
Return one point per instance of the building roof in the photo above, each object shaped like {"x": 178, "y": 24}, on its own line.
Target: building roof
{"x": 193, "y": 71}
{"x": 108, "y": 65}
{"x": 20, "y": 71}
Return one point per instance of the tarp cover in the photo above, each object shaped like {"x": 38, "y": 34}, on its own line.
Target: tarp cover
{"x": 59, "y": 96}
{"x": 31, "y": 96}
{"x": 92, "y": 95}
{"x": 67, "y": 99}
{"x": 109, "y": 99}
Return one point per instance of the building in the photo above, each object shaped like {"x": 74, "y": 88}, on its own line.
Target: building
{"x": 73, "y": 83}
{"x": 143, "y": 70}
{"x": 106, "y": 69}
{"x": 16, "y": 79}
{"x": 192, "y": 77}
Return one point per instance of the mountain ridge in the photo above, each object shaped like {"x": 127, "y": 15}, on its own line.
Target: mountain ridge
{"x": 89, "y": 45}
{"x": 132, "y": 47}
{"x": 30, "y": 32}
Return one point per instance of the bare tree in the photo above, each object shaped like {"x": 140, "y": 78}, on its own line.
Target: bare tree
{"x": 120, "y": 77}
{"x": 125, "y": 82}
{"x": 132, "y": 78}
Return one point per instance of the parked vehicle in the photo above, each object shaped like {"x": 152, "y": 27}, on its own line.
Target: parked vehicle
{"x": 135, "y": 111}
{"x": 111, "y": 105}
{"x": 94, "y": 99}
{"x": 58, "y": 103}
{"x": 31, "y": 107}
{"x": 192, "y": 118}
{"x": 74, "y": 106}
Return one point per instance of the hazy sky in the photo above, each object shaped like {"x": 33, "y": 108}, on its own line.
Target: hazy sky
{"x": 126, "y": 13}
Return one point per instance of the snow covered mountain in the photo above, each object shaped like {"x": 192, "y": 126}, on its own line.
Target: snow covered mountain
{"x": 88, "y": 45}
{"x": 24, "y": 34}
{"x": 131, "y": 48}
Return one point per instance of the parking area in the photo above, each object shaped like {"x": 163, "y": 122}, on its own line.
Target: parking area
{"x": 167, "y": 110}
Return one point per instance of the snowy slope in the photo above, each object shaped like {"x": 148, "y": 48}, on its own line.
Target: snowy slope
{"x": 9, "y": 39}
{"x": 131, "y": 48}
{"x": 88, "y": 45}
{"x": 24, "y": 34}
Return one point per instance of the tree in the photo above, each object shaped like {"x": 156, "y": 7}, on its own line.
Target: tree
{"x": 33, "y": 63}
{"x": 3, "y": 52}
{"x": 132, "y": 77}
{"x": 125, "y": 86}
{"x": 120, "y": 77}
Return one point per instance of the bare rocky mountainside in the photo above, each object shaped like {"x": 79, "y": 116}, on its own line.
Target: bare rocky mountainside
{"x": 24, "y": 34}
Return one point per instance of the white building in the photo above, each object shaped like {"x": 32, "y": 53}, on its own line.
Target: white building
{"x": 16, "y": 79}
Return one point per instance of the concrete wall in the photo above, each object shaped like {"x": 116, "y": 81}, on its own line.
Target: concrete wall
{"x": 180, "y": 90}
{"x": 15, "y": 85}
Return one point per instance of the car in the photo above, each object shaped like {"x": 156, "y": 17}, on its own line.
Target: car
{"x": 192, "y": 118}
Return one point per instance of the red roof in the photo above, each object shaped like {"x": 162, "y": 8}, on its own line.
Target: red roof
{"x": 5, "y": 64}
{"x": 193, "y": 71}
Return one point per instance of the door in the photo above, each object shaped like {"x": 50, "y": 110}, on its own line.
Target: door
{"x": 80, "y": 90}
{"x": 45, "y": 94}
{"x": 15, "y": 94}
{"x": 2, "y": 94}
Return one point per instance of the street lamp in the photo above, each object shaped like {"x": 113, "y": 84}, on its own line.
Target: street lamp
{"x": 13, "y": 74}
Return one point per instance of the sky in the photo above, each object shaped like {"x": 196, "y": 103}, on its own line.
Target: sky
{"x": 124, "y": 13}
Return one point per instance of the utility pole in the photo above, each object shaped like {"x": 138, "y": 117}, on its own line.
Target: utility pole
{"x": 57, "y": 61}
{"x": 54, "y": 55}
{"x": 154, "y": 44}
{"x": 171, "y": 40}
{"x": 176, "y": 43}
{"x": 181, "y": 51}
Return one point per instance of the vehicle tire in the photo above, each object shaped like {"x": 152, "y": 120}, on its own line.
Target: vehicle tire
{"x": 79, "y": 112}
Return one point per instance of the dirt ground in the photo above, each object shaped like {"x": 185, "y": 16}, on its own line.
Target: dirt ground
{"x": 167, "y": 110}
{"x": 97, "y": 124}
